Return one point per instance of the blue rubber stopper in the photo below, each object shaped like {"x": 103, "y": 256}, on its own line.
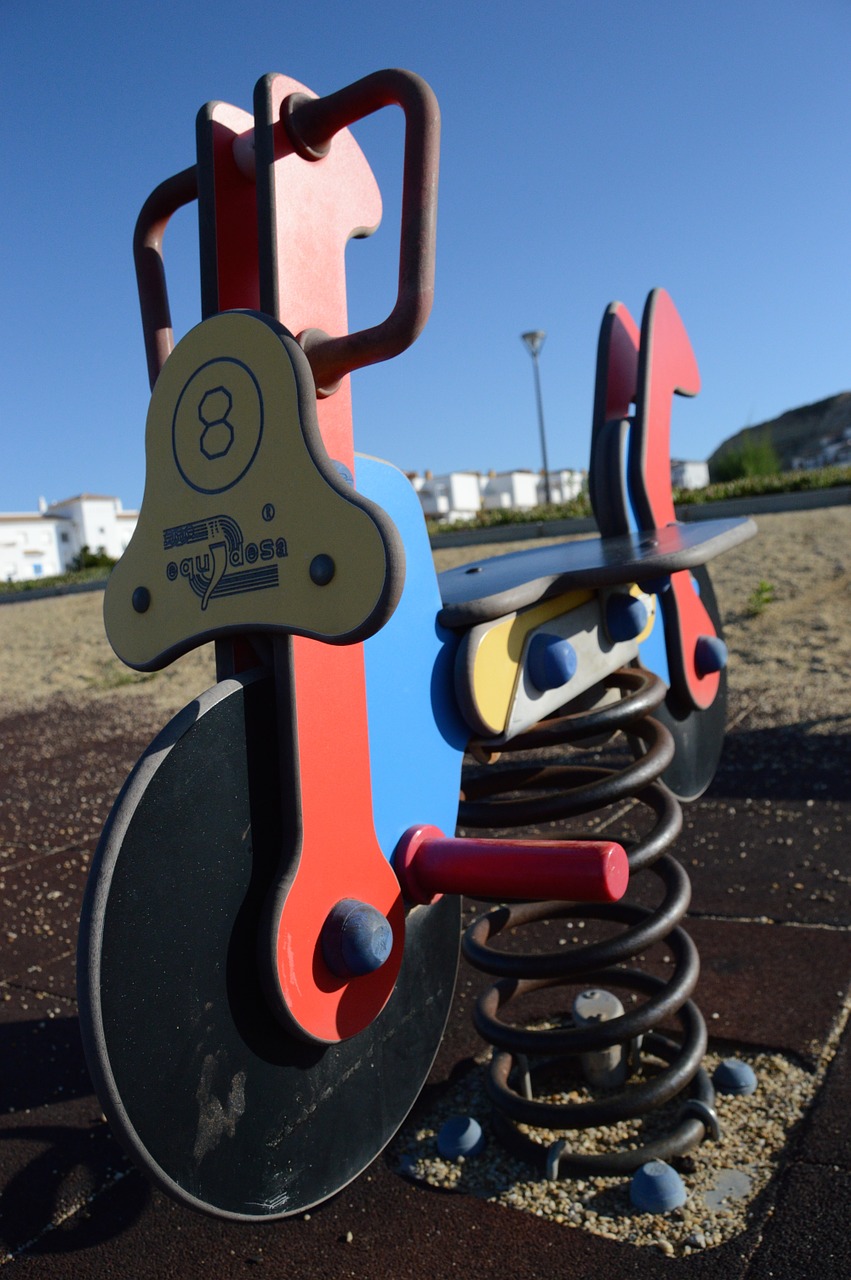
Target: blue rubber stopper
{"x": 460, "y": 1136}
{"x": 626, "y": 616}
{"x": 710, "y": 655}
{"x": 657, "y": 1188}
{"x": 734, "y": 1077}
{"x": 356, "y": 939}
{"x": 550, "y": 661}
{"x": 655, "y": 586}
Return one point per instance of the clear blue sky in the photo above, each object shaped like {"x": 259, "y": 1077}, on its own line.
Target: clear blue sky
{"x": 592, "y": 149}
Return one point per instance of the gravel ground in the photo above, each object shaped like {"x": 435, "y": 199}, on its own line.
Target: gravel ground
{"x": 790, "y": 654}
{"x": 722, "y": 1178}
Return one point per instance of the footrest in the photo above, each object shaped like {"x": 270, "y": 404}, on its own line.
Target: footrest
{"x": 429, "y": 864}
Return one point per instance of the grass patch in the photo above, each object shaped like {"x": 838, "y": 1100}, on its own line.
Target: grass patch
{"x": 96, "y": 573}
{"x": 762, "y": 595}
{"x": 119, "y": 678}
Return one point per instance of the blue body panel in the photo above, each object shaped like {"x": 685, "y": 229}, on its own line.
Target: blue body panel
{"x": 416, "y": 733}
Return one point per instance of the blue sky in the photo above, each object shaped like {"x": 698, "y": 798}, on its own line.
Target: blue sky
{"x": 591, "y": 150}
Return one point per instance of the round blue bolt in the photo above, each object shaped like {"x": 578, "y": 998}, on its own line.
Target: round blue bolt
{"x": 710, "y": 655}
{"x": 141, "y": 599}
{"x": 657, "y": 1188}
{"x": 734, "y": 1077}
{"x": 460, "y": 1136}
{"x": 356, "y": 939}
{"x": 655, "y": 586}
{"x": 322, "y": 569}
{"x": 551, "y": 661}
{"x": 626, "y": 616}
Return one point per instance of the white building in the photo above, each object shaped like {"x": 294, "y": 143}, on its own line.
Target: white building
{"x": 459, "y": 495}
{"x": 455, "y": 496}
{"x": 43, "y": 543}
{"x": 510, "y": 490}
{"x": 689, "y": 475}
{"x": 564, "y": 485}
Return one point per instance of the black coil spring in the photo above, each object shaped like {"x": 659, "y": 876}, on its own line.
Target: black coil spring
{"x": 523, "y": 795}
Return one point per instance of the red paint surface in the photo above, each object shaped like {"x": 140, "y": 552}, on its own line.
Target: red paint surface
{"x": 430, "y": 864}
{"x": 340, "y": 855}
{"x": 318, "y": 205}
{"x": 236, "y": 214}
{"x": 667, "y": 367}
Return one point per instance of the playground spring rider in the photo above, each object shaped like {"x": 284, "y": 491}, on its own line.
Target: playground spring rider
{"x": 675, "y": 729}
{"x": 266, "y": 960}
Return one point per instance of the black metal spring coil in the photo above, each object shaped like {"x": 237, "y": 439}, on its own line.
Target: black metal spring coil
{"x": 527, "y": 795}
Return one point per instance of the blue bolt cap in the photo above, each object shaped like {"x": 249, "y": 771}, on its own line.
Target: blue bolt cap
{"x": 657, "y": 1188}
{"x": 626, "y": 616}
{"x": 356, "y": 939}
{"x": 734, "y": 1077}
{"x": 710, "y": 655}
{"x": 655, "y": 586}
{"x": 460, "y": 1136}
{"x": 550, "y": 661}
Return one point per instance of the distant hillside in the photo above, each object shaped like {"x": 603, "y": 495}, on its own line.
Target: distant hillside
{"x": 798, "y": 435}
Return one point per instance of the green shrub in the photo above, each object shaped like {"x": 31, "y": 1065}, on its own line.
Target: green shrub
{"x": 755, "y": 456}
{"x": 88, "y": 559}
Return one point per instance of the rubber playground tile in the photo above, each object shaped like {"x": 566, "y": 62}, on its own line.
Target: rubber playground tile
{"x": 827, "y": 1135}
{"x": 55, "y": 1160}
{"x": 59, "y": 775}
{"x": 809, "y": 1233}
{"x": 39, "y": 913}
{"x": 792, "y": 762}
{"x": 782, "y": 859}
{"x": 378, "y": 1226}
{"x": 773, "y": 987}
{"x": 41, "y": 1053}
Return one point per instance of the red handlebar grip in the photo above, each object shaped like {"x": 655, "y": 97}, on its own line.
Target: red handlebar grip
{"x": 429, "y": 864}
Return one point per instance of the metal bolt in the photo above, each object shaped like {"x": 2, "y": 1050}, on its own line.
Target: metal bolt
{"x": 734, "y": 1077}
{"x": 460, "y": 1136}
{"x": 551, "y": 661}
{"x": 604, "y": 1068}
{"x": 322, "y": 570}
{"x": 356, "y": 939}
{"x": 626, "y": 616}
{"x": 710, "y": 655}
{"x": 657, "y": 1188}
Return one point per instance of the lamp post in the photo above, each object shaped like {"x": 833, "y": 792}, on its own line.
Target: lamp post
{"x": 534, "y": 340}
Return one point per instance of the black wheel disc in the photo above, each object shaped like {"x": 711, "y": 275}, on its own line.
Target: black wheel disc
{"x": 221, "y": 1106}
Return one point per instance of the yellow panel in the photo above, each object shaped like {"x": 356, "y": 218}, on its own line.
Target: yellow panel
{"x": 245, "y": 524}
{"x": 497, "y": 657}
{"x": 650, "y": 604}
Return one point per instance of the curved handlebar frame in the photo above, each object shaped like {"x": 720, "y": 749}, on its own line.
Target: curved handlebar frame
{"x": 310, "y": 124}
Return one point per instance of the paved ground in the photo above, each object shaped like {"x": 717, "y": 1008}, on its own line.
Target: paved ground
{"x": 767, "y": 852}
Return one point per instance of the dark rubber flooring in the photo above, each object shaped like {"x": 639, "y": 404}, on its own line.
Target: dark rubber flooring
{"x": 767, "y": 852}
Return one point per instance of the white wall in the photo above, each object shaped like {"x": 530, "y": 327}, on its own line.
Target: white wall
{"x": 458, "y": 495}
{"x": 689, "y": 475}
{"x": 510, "y": 490}
{"x": 29, "y": 547}
{"x": 454, "y": 496}
{"x": 97, "y": 522}
{"x": 44, "y": 543}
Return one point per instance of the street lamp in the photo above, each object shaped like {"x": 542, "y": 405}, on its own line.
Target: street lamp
{"x": 534, "y": 340}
